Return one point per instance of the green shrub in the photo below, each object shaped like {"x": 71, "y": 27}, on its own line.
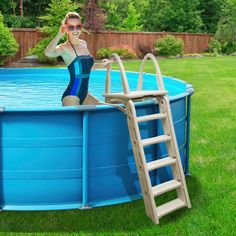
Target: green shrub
{"x": 169, "y": 46}
{"x": 124, "y": 53}
{"x": 229, "y": 47}
{"x": 215, "y": 46}
{"x": 14, "y": 21}
{"x": 127, "y": 54}
{"x": 39, "y": 51}
{"x": 8, "y": 44}
{"x": 104, "y": 53}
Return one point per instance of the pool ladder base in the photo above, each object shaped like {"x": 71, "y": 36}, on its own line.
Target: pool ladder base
{"x": 143, "y": 167}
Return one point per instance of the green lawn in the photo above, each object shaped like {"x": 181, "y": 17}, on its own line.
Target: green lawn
{"x": 212, "y": 186}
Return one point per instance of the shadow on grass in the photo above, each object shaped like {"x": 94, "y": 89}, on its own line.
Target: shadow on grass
{"x": 197, "y": 198}
{"x": 129, "y": 217}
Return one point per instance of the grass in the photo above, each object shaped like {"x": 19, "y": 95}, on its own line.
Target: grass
{"x": 212, "y": 186}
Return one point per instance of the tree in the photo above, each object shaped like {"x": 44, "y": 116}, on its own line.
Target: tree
{"x": 113, "y": 19}
{"x": 94, "y": 15}
{"x": 121, "y": 6}
{"x": 7, "y": 7}
{"x": 226, "y": 30}
{"x": 21, "y": 8}
{"x": 173, "y": 15}
{"x": 123, "y": 14}
{"x": 16, "y": 17}
{"x": 211, "y": 12}
{"x": 131, "y": 22}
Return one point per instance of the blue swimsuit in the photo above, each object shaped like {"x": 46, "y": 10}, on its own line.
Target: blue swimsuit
{"x": 79, "y": 69}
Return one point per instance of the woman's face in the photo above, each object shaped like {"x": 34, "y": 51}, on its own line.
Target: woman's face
{"x": 73, "y": 28}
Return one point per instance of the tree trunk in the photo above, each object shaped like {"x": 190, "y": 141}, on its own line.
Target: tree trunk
{"x": 21, "y": 8}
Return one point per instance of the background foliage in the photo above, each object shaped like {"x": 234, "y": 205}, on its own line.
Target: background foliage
{"x": 146, "y": 15}
{"x": 8, "y": 44}
{"x": 226, "y": 30}
{"x": 197, "y": 16}
{"x": 173, "y": 16}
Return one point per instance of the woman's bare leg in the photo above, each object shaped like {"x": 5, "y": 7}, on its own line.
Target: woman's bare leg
{"x": 70, "y": 101}
{"x": 90, "y": 100}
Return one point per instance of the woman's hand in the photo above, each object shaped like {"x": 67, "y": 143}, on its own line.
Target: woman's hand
{"x": 106, "y": 62}
{"x": 62, "y": 30}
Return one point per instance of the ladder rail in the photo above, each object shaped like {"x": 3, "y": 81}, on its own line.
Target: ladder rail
{"x": 123, "y": 76}
{"x": 140, "y": 160}
{"x": 174, "y": 149}
{"x": 159, "y": 78}
{"x": 108, "y": 79}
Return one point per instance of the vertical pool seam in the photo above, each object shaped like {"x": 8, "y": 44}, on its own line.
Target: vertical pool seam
{"x": 85, "y": 202}
{"x": 2, "y": 109}
{"x": 186, "y": 169}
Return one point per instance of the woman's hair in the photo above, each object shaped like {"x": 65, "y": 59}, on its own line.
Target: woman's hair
{"x": 71, "y": 15}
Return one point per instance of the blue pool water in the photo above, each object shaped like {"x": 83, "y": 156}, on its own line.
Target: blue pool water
{"x": 38, "y": 88}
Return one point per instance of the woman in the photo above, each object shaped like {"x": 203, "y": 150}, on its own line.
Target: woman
{"x": 78, "y": 60}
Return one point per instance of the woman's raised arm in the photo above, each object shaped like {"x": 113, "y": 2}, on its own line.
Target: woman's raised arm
{"x": 54, "y": 50}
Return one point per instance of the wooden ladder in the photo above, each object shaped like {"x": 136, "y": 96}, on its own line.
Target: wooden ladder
{"x": 173, "y": 159}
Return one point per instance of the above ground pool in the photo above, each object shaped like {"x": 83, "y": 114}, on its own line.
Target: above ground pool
{"x": 54, "y": 157}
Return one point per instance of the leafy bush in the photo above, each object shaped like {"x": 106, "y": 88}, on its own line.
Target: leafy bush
{"x": 123, "y": 52}
{"x": 229, "y": 48}
{"x": 104, "y": 53}
{"x": 39, "y": 51}
{"x": 8, "y": 44}
{"x": 169, "y": 46}
{"x": 215, "y": 46}
{"x": 143, "y": 49}
{"x": 13, "y": 21}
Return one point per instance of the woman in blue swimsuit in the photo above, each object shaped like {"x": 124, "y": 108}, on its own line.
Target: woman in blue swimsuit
{"x": 78, "y": 60}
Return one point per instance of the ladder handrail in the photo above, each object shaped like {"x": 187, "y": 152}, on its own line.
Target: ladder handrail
{"x": 158, "y": 72}
{"x": 123, "y": 76}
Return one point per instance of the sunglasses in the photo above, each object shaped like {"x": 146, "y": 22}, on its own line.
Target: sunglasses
{"x": 74, "y": 27}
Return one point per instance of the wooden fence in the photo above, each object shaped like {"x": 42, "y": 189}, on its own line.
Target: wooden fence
{"x": 26, "y": 38}
{"x": 193, "y": 43}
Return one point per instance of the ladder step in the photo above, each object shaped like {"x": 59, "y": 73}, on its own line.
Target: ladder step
{"x": 151, "y": 117}
{"x": 137, "y": 94}
{"x": 154, "y": 140}
{"x": 160, "y": 163}
{"x": 165, "y": 187}
{"x": 169, "y": 207}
